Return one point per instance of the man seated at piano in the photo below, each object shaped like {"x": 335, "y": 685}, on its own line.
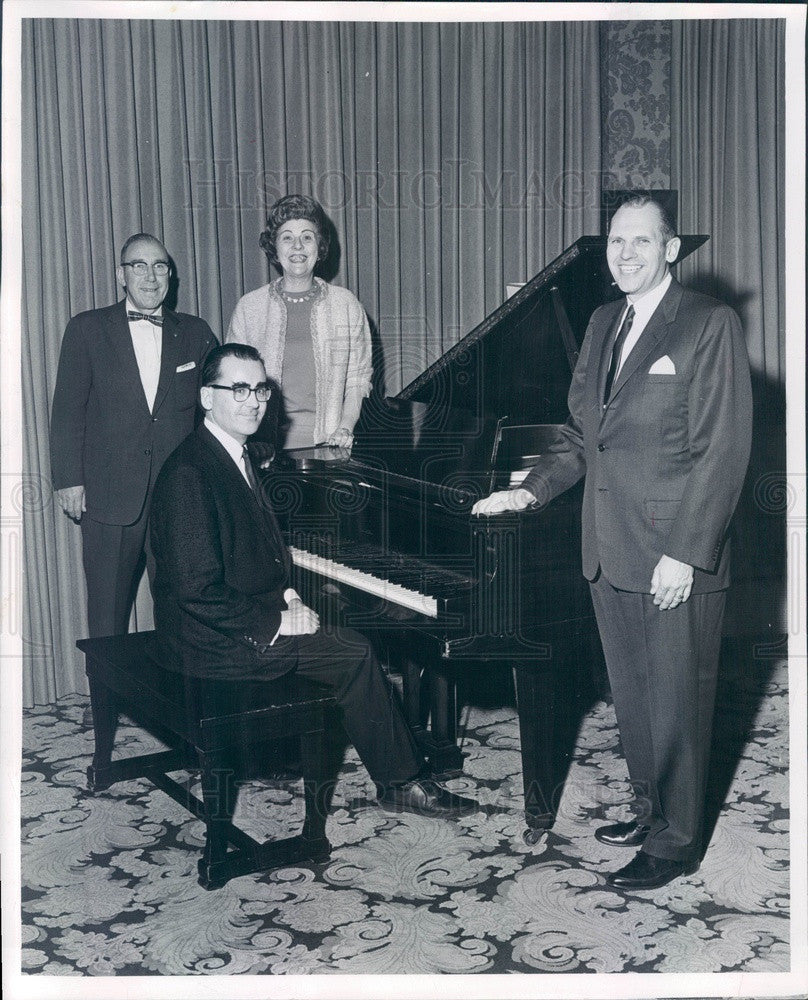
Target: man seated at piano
{"x": 224, "y": 607}
{"x": 314, "y": 337}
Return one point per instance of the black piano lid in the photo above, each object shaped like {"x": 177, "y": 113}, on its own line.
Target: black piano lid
{"x": 516, "y": 364}
{"x": 589, "y": 249}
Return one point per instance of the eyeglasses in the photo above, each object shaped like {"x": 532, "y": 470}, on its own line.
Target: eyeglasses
{"x": 241, "y": 391}
{"x": 141, "y": 268}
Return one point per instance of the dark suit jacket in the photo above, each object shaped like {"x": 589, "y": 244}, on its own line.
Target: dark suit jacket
{"x": 102, "y": 433}
{"x": 221, "y": 568}
{"x": 666, "y": 459}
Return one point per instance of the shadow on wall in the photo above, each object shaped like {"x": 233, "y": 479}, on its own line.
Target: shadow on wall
{"x": 756, "y": 602}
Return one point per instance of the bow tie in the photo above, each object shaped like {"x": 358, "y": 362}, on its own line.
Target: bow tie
{"x": 134, "y": 316}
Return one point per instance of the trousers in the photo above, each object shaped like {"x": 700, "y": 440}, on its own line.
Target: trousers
{"x": 113, "y": 555}
{"x": 663, "y": 669}
{"x": 344, "y": 661}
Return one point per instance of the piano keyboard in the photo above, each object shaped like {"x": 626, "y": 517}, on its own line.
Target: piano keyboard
{"x": 388, "y": 591}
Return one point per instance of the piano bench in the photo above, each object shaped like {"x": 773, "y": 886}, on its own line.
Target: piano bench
{"x": 208, "y": 725}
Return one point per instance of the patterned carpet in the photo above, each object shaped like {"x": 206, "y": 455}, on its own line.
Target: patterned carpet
{"x": 109, "y": 883}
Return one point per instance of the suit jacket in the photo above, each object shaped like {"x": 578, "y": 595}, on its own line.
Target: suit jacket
{"x": 103, "y": 435}
{"x": 666, "y": 458}
{"x": 221, "y": 568}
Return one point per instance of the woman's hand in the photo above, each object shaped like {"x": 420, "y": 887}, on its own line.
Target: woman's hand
{"x": 341, "y": 438}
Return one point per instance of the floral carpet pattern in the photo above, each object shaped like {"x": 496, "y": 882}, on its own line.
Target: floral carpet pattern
{"x": 110, "y": 888}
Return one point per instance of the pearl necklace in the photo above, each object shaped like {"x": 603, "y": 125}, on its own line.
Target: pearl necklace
{"x": 305, "y": 297}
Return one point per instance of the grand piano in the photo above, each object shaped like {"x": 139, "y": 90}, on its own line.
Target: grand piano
{"x": 384, "y": 541}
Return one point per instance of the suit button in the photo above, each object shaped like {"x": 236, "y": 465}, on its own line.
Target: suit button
{"x": 147, "y": 451}
{"x": 601, "y": 447}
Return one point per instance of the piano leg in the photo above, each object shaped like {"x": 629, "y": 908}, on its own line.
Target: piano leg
{"x": 549, "y": 696}
{"x": 534, "y": 695}
{"x": 438, "y": 743}
{"x": 411, "y": 675}
{"x": 546, "y": 700}
{"x": 446, "y": 760}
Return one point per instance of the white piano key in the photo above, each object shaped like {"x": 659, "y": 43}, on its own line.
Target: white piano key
{"x": 388, "y": 591}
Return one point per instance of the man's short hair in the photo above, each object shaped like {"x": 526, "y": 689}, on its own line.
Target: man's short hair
{"x": 667, "y": 226}
{"x": 212, "y": 368}
{"x": 139, "y": 238}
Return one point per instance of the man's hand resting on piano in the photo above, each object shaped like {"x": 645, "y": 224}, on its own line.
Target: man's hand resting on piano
{"x": 517, "y": 499}
{"x": 299, "y": 619}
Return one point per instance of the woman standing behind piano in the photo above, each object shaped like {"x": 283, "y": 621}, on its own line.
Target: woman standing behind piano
{"x": 314, "y": 337}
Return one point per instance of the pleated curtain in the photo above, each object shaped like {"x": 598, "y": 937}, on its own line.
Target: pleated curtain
{"x": 728, "y": 163}
{"x": 452, "y": 159}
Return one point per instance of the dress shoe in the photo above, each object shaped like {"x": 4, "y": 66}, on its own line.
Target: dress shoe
{"x": 622, "y": 834}
{"x": 426, "y": 798}
{"x": 645, "y": 871}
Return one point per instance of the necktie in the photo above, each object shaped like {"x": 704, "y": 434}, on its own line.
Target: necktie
{"x": 617, "y": 350}
{"x": 269, "y": 517}
{"x": 248, "y": 468}
{"x": 134, "y": 316}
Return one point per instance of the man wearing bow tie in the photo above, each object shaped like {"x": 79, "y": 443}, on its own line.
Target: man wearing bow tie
{"x": 126, "y": 395}
{"x": 660, "y": 424}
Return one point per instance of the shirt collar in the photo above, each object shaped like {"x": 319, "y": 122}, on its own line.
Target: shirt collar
{"x": 228, "y": 442}
{"x": 645, "y": 305}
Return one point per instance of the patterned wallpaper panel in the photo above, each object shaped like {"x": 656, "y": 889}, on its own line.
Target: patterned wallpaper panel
{"x": 636, "y": 68}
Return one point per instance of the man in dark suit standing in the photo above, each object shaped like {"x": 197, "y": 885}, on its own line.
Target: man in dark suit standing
{"x": 660, "y": 424}
{"x": 224, "y": 607}
{"x": 126, "y": 395}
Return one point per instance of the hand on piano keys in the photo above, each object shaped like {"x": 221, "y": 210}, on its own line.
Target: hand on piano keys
{"x": 504, "y": 500}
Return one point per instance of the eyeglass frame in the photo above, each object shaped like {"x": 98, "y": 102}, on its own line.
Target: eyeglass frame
{"x": 145, "y": 265}
{"x": 240, "y": 387}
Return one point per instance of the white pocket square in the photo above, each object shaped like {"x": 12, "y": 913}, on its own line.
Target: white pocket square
{"x": 662, "y": 366}
{"x": 187, "y": 366}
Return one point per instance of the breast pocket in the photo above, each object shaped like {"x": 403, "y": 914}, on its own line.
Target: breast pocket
{"x": 665, "y": 397}
{"x": 185, "y": 388}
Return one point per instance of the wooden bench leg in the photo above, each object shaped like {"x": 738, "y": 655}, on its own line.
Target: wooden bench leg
{"x": 105, "y": 722}
{"x": 219, "y": 793}
{"x": 316, "y": 794}
{"x": 219, "y": 863}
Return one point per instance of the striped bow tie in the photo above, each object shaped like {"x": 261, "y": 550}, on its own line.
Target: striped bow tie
{"x": 134, "y": 316}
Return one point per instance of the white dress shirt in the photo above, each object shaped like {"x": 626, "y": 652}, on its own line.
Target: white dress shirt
{"x": 644, "y": 308}
{"x": 147, "y": 340}
{"x": 233, "y": 448}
